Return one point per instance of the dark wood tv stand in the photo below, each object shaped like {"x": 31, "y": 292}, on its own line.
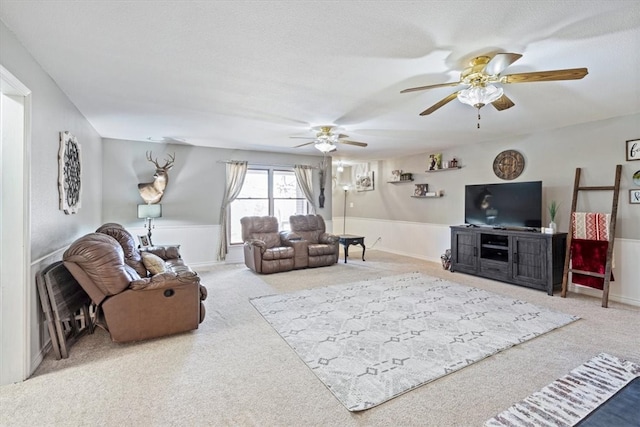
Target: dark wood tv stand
{"x": 517, "y": 256}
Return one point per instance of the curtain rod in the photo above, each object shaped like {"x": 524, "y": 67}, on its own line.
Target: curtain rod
{"x": 265, "y": 164}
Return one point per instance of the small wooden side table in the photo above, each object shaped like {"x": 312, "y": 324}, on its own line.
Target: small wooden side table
{"x": 347, "y": 240}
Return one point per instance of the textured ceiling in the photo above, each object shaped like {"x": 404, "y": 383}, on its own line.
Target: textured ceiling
{"x": 250, "y": 74}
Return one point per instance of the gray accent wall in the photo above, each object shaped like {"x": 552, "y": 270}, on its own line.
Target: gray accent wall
{"x": 196, "y": 181}
{"x": 52, "y": 112}
{"x": 551, "y": 157}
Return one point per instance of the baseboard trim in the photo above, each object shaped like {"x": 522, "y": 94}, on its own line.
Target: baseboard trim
{"x": 598, "y": 294}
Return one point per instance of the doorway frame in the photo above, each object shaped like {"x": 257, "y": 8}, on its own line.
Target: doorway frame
{"x": 15, "y": 352}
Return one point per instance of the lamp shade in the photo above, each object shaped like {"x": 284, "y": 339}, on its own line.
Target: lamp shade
{"x": 150, "y": 211}
{"x": 325, "y": 146}
{"x": 479, "y": 96}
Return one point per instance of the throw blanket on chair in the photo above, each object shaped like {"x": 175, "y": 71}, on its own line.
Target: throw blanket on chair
{"x": 589, "y": 243}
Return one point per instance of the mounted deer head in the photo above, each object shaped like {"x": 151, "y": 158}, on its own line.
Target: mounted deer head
{"x": 152, "y": 192}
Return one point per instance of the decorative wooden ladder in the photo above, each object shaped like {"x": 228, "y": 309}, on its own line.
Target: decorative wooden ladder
{"x": 612, "y": 232}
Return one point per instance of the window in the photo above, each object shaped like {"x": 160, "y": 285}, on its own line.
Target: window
{"x": 267, "y": 192}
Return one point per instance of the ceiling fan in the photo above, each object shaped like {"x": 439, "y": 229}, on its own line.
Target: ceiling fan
{"x": 326, "y": 140}
{"x": 482, "y": 75}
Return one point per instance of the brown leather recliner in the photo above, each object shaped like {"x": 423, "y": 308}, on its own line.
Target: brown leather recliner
{"x": 132, "y": 304}
{"x": 322, "y": 247}
{"x": 264, "y": 251}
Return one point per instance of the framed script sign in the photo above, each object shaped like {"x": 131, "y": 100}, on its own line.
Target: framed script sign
{"x": 633, "y": 149}
{"x": 634, "y": 197}
{"x": 69, "y": 173}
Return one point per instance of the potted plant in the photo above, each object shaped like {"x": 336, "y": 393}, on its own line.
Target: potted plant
{"x": 553, "y": 211}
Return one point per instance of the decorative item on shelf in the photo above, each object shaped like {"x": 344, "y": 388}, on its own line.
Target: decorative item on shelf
{"x": 435, "y": 161}
{"x": 69, "y": 173}
{"x": 152, "y": 192}
{"x": 553, "y": 211}
{"x": 633, "y": 149}
{"x": 148, "y": 212}
{"x": 421, "y": 190}
{"x": 396, "y": 175}
{"x": 453, "y": 163}
{"x": 406, "y": 177}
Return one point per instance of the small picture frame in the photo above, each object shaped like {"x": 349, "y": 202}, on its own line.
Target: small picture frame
{"x": 633, "y": 149}
{"x": 421, "y": 190}
{"x": 144, "y": 240}
{"x": 396, "y": 174}
{"x": 634, "y": 196}
{"x": 435, "y": 161}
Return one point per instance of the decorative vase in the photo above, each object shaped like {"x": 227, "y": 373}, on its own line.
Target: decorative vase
{"x": 552, "y": 226}
{"x": 321, "y": 198}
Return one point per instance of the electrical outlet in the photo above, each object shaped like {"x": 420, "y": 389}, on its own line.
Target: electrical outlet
{"x": 351, "y": 204}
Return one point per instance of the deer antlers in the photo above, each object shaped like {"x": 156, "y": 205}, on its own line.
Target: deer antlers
{"x": 168, "y": 164}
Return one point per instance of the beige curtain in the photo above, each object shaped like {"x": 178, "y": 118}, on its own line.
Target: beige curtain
{"x": 236, "y": 171}
{"x": 305, "y": 181}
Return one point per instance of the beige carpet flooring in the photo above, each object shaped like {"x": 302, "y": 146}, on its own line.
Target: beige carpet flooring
{"x": 235, "y": 370}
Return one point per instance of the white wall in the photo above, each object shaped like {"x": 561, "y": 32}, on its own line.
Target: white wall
{"x": 420, "y": 227}
{"x": 51, "y": 229}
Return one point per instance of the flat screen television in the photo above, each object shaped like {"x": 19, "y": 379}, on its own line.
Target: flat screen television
{"x": 514, "y": 204}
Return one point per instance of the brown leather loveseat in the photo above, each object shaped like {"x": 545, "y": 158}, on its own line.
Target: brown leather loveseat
{"x": 138, "y": 294}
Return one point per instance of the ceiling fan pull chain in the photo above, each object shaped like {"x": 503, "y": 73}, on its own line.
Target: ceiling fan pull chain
{"x": 478, "y": 117}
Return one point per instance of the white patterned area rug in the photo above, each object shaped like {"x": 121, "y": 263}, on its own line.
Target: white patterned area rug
{"x": 371, "y": 341}
{"x": 568, "y": 400}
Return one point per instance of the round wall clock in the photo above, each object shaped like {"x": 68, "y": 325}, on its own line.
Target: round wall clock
{"x": 508, "y": 165}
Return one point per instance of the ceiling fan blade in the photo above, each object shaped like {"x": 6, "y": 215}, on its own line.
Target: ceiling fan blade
{"x": 439, "y": 104}
{"x": 306, "y": 143}
{"x": 302, "y": 137}
{"x": 498, "y": 63}
{"x": 503, "y": 103}
{"x": 359, "y": 144}
{"x": 415, "y": 89}
{"x": 546, "y": 76}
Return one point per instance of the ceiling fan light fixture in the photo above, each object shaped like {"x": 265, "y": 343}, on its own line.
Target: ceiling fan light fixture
{"x": 324, "y": 146}
{"x": 479, "y": 96}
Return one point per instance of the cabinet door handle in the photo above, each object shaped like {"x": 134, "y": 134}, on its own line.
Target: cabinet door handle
{"x": 515, "y": 257}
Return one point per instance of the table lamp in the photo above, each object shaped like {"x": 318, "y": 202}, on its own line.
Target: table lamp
{"x": 148, "y": 212}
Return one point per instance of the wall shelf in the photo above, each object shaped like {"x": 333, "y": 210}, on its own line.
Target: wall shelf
{"x": 426, "y": 197}
{"x": 444, "y": 169}
{"x": 400, "y": 182}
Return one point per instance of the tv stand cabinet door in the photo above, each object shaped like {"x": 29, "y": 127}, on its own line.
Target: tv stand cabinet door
{"x": 464, "y": 251}
{"x": 529, "y": 257}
